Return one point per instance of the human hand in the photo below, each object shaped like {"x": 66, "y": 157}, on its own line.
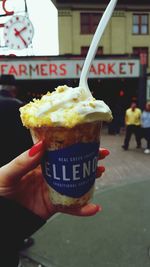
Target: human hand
{"x": 22, "y": 181}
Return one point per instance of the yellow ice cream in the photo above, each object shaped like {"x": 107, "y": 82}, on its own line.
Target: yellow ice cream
{"x": 65, "y": 107}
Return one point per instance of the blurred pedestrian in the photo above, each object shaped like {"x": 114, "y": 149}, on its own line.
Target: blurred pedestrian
{"x": 145, "y": 120}
{"x": 118, "y": 118}
{"x": 14, "y": 138}
{"x": 133, "y": 125}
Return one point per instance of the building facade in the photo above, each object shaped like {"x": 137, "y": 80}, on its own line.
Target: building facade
{"x": 127, "y": 35}
{"x": 128, "y": 31}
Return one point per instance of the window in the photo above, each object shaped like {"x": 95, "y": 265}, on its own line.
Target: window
{"x": 140, "y": 24}
{"x": 89, "y": 22}
{"x": 141, "y": 51}
{"x": 84, "y": 50}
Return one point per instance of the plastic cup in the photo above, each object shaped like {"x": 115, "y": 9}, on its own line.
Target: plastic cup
{"x": 70, "y": 162}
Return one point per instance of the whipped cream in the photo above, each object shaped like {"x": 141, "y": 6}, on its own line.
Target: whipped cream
{"x": 66, "y": 107}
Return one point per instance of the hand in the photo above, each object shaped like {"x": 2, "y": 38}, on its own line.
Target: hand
{"x": 22, "y": 181}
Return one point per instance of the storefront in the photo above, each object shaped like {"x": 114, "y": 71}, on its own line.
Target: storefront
{"x": 116, "y": 80}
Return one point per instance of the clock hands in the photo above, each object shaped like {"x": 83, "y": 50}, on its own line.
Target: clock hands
{"x": 18, "y": 33}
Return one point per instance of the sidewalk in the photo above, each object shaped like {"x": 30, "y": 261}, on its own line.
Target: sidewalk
{"x": 119, "y": 236}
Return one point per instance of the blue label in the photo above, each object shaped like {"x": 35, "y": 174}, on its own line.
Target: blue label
{"x": 71, "y": 171}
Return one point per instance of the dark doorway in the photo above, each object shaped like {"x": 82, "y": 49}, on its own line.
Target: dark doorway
{"x": 113, "y": 91}
{"x": 118, "y": 95}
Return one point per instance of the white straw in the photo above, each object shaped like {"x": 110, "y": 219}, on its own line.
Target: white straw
{"x": 95, "y": 42}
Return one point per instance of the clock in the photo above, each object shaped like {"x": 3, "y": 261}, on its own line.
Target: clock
{"x": 18, "y": 32}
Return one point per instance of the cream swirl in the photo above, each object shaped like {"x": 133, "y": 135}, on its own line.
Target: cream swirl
{"x": 67, "y": 107}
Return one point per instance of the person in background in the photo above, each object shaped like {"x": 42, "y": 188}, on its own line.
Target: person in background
{"x": 25, "y": 204}
{"x": 14, "y": 138}
{"x": 145, "y": 120}
{"x": 118, "y": 119}
{"x": 133, "y": 125}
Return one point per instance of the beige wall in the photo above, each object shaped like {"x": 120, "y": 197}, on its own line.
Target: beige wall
{"x": 117, "y": 38}
{"x": 117, "y": 34}
{"x": 65, "y": 25}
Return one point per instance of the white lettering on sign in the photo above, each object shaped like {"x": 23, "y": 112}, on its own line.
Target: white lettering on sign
{"x": 64, "y": 69}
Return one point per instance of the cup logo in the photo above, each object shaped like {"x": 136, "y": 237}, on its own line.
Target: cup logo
{"x": 71, "y": 171}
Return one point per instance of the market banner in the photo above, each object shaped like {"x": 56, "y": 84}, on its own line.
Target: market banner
{"x": 34, "y": 69}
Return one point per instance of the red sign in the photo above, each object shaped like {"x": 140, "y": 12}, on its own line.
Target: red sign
{"x": 68, "y": 69}
{"x": 8, "y": 13}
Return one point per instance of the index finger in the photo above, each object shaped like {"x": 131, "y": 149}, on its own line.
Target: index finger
{"x": 17, "y": 168}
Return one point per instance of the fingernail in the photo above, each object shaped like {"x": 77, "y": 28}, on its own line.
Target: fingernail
{"x": 106, "y": 152}
{"x": 35, "y": 149}
{"x": 99, "y": 208}
{"x": 103, "y": 153}
{"x": 100, "y": 170}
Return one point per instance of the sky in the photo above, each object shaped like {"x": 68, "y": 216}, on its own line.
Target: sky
{"x": 44, "y": 17}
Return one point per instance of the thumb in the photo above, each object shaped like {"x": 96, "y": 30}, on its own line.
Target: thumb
{"x": 27, "y": 161}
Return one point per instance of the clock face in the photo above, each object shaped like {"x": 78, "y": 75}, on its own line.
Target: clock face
{"x": 18, "y": 32}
